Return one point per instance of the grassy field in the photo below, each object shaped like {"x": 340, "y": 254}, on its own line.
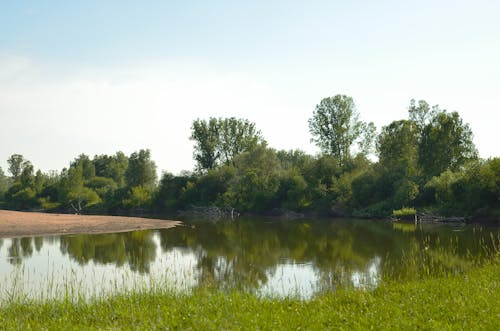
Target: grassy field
{"x": 468, "y": 301}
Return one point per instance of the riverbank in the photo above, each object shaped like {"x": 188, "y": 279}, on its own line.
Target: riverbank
{"x": 23, "y": 224}
{"x": 460, "y": 302}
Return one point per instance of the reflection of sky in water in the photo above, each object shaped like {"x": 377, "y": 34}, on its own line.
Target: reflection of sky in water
{"x": 291, "y": 279}
{"x": 369, "y": 277}
{"x": 49, "y": 273}
{"x": 303, "y": 280}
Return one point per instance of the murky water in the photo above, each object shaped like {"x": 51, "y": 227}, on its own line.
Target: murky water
{"x": 270, "y": 257}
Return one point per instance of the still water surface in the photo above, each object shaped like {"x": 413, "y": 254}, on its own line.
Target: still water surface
{"x": 269, "y": 257}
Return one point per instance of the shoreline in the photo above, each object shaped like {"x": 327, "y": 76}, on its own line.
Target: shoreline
{"x": 14, "y": 224}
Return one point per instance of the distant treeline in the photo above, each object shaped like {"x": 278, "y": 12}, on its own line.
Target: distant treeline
{"x": 427, "y": 161}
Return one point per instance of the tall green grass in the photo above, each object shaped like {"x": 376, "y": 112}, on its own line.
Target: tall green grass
{"x": 461, "y": 302}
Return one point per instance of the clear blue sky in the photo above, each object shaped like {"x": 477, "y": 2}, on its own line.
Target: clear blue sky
{"x": 101, "y": 76}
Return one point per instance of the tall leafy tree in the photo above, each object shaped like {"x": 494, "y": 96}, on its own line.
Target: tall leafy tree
{"x": 235, "y": 137}
{"x": 205, "y": 134}
{"x": 256, "y": 180}
{"x": 73, "y": 191}
{"x": 218, "y": 141}
{"x": 397, "y": 147}
{"x": 27, "y": 176}
{"x": 16, "y": 165}
{"x": 113, "y": 167}
{"x": 141, "y": 170}
{"x": 88, "y": 167}
{"x": 4, "y": 183}
{"x": 420, "y": 113}
{"x": 335, "y": 126}
{"x": 446, "y": 143}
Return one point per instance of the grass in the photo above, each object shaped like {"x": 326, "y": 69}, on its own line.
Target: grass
{"x": 468, "y": 301}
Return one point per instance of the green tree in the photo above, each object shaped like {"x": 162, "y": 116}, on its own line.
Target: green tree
{"x": 138, "y": 197}
{"x": 294, "y": 159}
{"x": 446, "y": 143}
{"x": 113, "y": 167}
{"x": 235, "y": 137}
{"x": 169, "y": 196}
{"x": 88, "y": 167}
{"x": 218, "y": 141}
{"x": 16, "y": 165}
{"x": 420, "y": 113}
{"x": 4, "y": 183}
{"x": 335, "y": 126}
{"x": 73, "y": 191}
{"x": 397, "y": 147}
{"x": 367, "y": 138}
{"x": 141, "y": 170}
{"x": 22, "y": 193}
{"x": 27, "y": 177}
{"x": 256, "y": 181}
{"x": 206, "y": 137}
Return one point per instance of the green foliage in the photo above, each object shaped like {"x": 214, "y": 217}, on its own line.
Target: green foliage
{"x": 335, "y": 126}
{"x": 18, "y": 197}
{"x": 141, "y": 170}
{"x": 446, "y": 143}
{"x": 293, "y": 159}
{"x": 472, "y": 190}
{"x": 73, "y": 193}
{"x": 139, "y": 196}
{"x": 113, "y": 167}
{"x": 169, "y": 196}
{"x": 406, "y": 192}
{"x": 420, "y": 113}
{"x": 46, "y": 204}
{"x": 256, "y": 181}
{"x": 15, "y": 165}
{"x": 206, "y": 137}
{"x": 4, "y": 183}
{"x": 88, "y": 167}
{"x": 209, "y": 189}
{"x": 428, "y": 161}
{"x": 292, "y": 191}
{"x": 405, "y": 211}
{"x": 219, "y": 141}
{"x": 397, "y": 147}
{"x": 103, "y": 186}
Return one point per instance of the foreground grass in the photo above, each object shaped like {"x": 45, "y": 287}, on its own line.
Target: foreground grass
{"x": 468, "y": 302}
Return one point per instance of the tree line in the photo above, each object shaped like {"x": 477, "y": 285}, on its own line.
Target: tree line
{"x": 427, "y": 161}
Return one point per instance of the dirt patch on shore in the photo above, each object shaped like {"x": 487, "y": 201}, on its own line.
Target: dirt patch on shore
{"x": 24, "y": 224}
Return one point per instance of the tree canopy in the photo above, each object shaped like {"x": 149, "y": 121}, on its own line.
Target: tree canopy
{"x": 219, "y": 140}
{"x": 427, "y": 160}
{"x": 335, "y": 127}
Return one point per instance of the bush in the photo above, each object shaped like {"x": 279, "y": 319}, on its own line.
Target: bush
{"x": 404, "y": 212}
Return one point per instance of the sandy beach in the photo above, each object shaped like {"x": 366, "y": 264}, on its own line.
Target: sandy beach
{"x": 22, "y": 224}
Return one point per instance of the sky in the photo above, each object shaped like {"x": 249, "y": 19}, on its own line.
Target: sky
{"x": 97, "y": 77}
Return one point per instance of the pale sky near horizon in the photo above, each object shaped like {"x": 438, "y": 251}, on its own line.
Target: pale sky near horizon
{"x": 97, "y": 77}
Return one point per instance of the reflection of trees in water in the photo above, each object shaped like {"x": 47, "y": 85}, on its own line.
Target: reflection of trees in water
{"x": 140, "y": 249}
{"x": 38, "y": 243}
{"x": 20, "y": 248}
{"x": 245, "y": 253}
{"x": 135, "y": 248}
{"x": 1, "y": 243}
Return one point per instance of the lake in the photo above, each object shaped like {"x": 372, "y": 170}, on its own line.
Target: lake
{"x": 266, "y": 256}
